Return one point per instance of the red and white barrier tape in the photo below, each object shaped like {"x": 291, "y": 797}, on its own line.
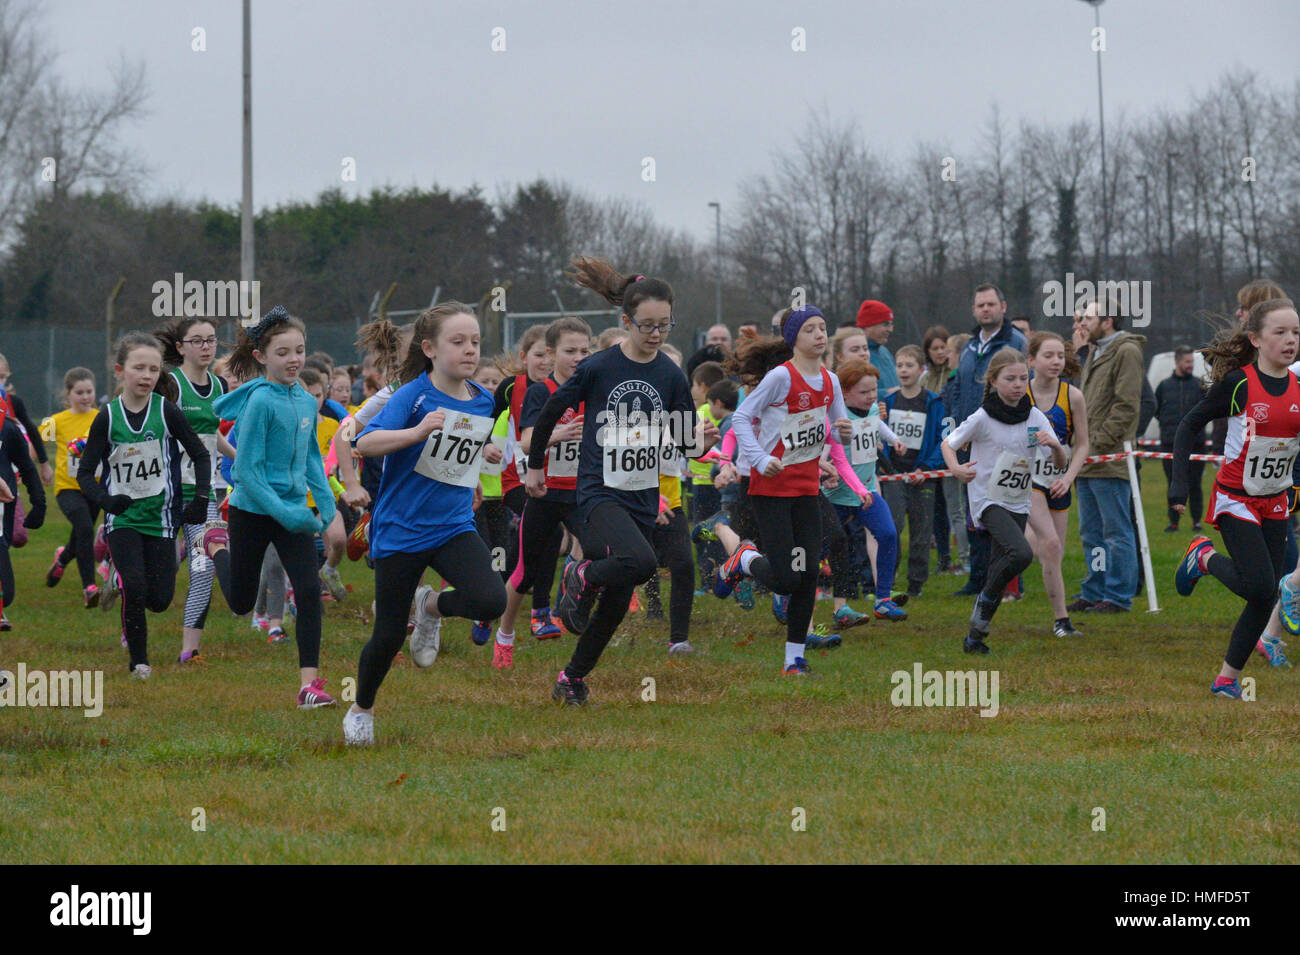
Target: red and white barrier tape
{"x": 1092, "y": 459}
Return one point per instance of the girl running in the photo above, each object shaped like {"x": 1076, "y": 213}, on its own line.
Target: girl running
{"x": 135, "y": 438}
{"x": 190, "y": 345}
{"x": 14, "y": 457}
{"x": 1253, "y": 387}
{"x": 633, "y": 393}
{"x": 781, "y": 427}
{"x": 435, "y": 432}
{"x": 1051, "y": 359}
{"x": 277, "y": 462}
{"x": 1005, "y": 434}
{"x": 68, "y": 430}
{"x": 568, "y": 342}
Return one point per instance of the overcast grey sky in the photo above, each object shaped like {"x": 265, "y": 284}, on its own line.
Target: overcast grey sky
{"x": 585, "y": 90}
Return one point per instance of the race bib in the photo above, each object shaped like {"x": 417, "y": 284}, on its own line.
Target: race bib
{"x": 454, "y": 453}
{"x": 187, "y": 463}
{"x": 865, "y": 442}
{"x": 803, "y": 433}
{"x": 630, "y": 457}
{"x": 488, "y": 467}
{"x": 1266, "y": 471}
{"x": 137, "y": 469}
{"x": 910, "y": 428}
{"x": 1009, "y": 481}
{"x": 1045, "y": 472}
{"x": 670, "y": 458}
{"x": 72, "y": 464}
{"x": 562, "y": 458}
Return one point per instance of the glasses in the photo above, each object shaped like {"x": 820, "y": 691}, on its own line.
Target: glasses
{"x": 200, "y": 342}
{"x": 648, "y": 329}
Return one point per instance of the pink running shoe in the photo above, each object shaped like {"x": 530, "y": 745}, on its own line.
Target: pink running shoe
{"x": 215, "y": 536}
{"x": 313, "y": 695}
{"x": 101, "y": 544}
{"x": 91, "y": 596}
{"x": 55, "y": 573}
{"x": 503, "y": 657}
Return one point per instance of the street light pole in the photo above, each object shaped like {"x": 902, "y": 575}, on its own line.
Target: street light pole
{"x": 1101, "y": 125}
{"x": 718, "y": 261}
{"x": 246, "y": 204}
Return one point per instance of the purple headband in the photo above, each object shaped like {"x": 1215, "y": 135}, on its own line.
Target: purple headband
{"x": 794, "y": 321}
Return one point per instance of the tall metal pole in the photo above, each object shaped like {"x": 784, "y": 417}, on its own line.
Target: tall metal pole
{"x": 1101, "y": 125}
{"x": 246, "y": 270}
{"x": 1169, "y": 199}
{"x": 718, "y": 261}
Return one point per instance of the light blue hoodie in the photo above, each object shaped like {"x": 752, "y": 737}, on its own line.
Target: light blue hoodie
{"x": 278, "y": 459}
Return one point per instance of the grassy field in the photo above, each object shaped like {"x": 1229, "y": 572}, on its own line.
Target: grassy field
{"x": 715, "y": 769}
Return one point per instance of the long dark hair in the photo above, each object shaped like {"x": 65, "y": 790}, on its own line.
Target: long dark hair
{"x": 172, "y": 334}
{"x": 1231, "y": 348}
{"x": 625, "y": 291}
{"x": 755, "y": 357}
{"x": 427, "y": 326}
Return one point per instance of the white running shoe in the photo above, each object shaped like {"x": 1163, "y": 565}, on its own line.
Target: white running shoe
{"x": 333, "y": 582}
{"x": 681, "y": 648}
{"x": 425, "y": 639}
{"x": 141, "y": 671}
{"x": 358, "y": 728}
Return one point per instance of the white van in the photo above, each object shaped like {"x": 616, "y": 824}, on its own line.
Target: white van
{"x": 1161, "y": 367}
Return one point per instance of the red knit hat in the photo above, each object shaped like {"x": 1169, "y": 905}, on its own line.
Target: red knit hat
{"x": 872, "y": 312}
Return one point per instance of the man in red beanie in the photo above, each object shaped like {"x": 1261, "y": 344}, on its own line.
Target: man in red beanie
{"x": 876, "y": 319}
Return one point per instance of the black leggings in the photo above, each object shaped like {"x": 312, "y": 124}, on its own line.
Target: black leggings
{"x": 147, "y": 566}
{"x": 464, "y": 563}
{"x": 672, "y": 543}
{"x": 81, "y": 542}
{"x": 7, "y": 594}
{"x": 1009, "y": 553}
{"x": 622, "y": 557}
{"x": 836, "y": 544}
{"x": 495, "y": 523}
{"x": 540, "y": 534}
{"x": 790, "y": 532}
{"x": 250, "y": 535}
{"x": 1251, "y": 571}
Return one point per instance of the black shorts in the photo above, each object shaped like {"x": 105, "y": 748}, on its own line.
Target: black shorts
{"x": 1061, "y": 503}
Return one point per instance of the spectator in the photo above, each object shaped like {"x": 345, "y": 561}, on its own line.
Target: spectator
{"x": 1176, "y": 396}
{"x": 876, "y": 320}
{"x": 1112, "y": 391}
{"x": 719, "y": 335}
{"x": 706, "y": 353}
{"x": 991, "y": 334}
{"x": 1021, "y": 322}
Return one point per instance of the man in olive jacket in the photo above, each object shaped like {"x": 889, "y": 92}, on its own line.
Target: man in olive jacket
{"x": 1112, "y": 391}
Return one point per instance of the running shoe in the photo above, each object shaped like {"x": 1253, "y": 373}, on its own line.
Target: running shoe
{"x": 480, "y": 631}
{"x": 276, "y": 635}
{"x": 330, "y": 578}
{"x": 634, "y": 605}
{"x": 503, "y": 656}
{"x": 1271, "y": 648}
{"x": 101, "y": 542}
{"x": 975, "y": 644}
{"x": 190, "y": 656}
{"x": 359, "y": 539}
{"x": 574, "y": 608}
{"x": 260, "y": 623}
{"x": 681, "y": 648}
{"x": 5, "y": 625}
{"x": 780, "y": 606}
{"x": 798, "y": 668}
{"x": 215, "y": 537}
{"x": 1064, "y": 628}
{"x": 886, "y": 609}
{"x": 847, "y": 617}
{"x": 55, "y": 573}
{"x": 900, "y": 597}
{"x": 1226, "y": 689}
{"x": 358, "y": 728}
{"x": 1189, "y": 569}
{"x": 569, "y": 692}
{"x": 729, "y": 573}
{"x": 703, "y": 532}
{"x": 313, "y": 695}
{"x": 90, "y": 596}
{"x": 112, "y": 589}
{"x": 1289, "y": 605}
{"x": 822, "y": 639}
{"x": 103, "y": 568}
{"x": 425, "y": 639}
{"x": 141, "y": 671}
{"x": 745, "y": 594}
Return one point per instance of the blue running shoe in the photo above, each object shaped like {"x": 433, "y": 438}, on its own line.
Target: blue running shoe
{"x": 1228, "y": 689}
{"x": 888, "y": 610}
{"x": 847, "y": 617}
{"x": 1288, "y": 605}
{"x": 479, "y": 632}
{"x": 542, "y": 625}
{"x": 1271, "y": 648}
{"x": 730, "y": 574}
{"x": 1189, "y": 569}
{"x": 745, "y": 594}
{"x": 780, "y": 605}
{"x": 703, "y": 533}
{"x": 822, "y": 639}
{"x": 798, "y": 668}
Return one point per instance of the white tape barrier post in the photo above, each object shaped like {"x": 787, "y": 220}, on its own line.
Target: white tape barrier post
{"x": 1143, "y": 547}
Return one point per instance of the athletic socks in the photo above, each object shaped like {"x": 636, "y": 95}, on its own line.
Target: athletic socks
{"x": 1203, "y": 558}
{"x": 747, "y": 559}
{"x": 792, "y": 650}
{"x": 505, "y": 639}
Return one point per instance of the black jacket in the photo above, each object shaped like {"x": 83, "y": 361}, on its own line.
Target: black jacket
{"x": 1175, "y": 397}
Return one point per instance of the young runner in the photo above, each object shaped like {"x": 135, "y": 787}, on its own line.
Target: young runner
{"x": 67, "y": 431}
{"x": 1005, "y": 434}
{"x": 277, "y": 462}
{"x": 137, "y": 439}
{"x": 1051, "y": 360}
{"x": 1253, "y": 387}
{"x": 14, "y": 457}
{"x": 781, "y": 427}
{"x": 630, "y": 395}
{"x": 435, "y": 433}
